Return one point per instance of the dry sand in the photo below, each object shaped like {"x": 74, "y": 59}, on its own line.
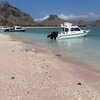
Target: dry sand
{"x": 28, "y": 73}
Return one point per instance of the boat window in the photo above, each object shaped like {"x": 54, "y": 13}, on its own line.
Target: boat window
{"x": 18, "y": 28}
{"x": 63, "y": 29}
{"x": 77, "y": 29}
{"x": 66, "y": 29}
{"x": 72, "y": 29}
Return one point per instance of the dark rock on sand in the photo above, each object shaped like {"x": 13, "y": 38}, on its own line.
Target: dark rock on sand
{"x": 79, "y": 83}
{"x": 12, "y": 77}
{"x": 58, "y": 55}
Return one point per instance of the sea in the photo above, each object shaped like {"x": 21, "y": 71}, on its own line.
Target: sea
{"x": 83, "y": 49}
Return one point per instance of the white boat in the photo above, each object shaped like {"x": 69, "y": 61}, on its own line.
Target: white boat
{"x": 15, "y": 29}
{"x": 68, "y": 31}
{"x": 4, "y": 27}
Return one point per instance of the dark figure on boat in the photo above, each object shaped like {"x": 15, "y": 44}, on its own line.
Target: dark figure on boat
{"x": 53, "y": 35}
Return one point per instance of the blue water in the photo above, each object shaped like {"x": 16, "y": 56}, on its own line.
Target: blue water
{"x": 85, "y": 49}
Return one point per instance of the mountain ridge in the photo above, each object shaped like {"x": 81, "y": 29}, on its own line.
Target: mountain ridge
{"x": 52, "y": 20}
{"x": 12, "y": 15}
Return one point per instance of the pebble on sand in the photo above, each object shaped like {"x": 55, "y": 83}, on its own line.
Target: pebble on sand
{"x": 79, "y": 83}
{"x": 12, "y": 77}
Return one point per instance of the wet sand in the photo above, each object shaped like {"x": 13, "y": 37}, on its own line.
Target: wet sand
{"x": 30, "y": 72}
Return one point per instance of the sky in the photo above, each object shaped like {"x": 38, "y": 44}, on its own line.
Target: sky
{"x": 66, "y": 9}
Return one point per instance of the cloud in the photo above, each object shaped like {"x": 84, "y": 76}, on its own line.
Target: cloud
{"x": 72, "y": 17}
{"x": 86, "y": 16}
{"x": 41, "y": 19}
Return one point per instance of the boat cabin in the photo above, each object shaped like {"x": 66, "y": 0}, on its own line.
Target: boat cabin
{"x": 69, "y": 27}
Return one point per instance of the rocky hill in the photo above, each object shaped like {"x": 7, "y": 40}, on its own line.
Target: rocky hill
{"x": 53, "y": 20}
{"x": 82, "y": 23}
{"x": 10, "y": 15}
{"x": 95, "y": 23}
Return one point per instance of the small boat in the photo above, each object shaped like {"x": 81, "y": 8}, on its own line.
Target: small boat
{"x": 68, "y": 31}
{"x": 15, "y": 29}
{"x": 4, "y": 27}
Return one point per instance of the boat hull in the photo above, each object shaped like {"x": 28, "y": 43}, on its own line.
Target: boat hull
{"x": 65, "y": 36}
{"x": 11, "y": 30}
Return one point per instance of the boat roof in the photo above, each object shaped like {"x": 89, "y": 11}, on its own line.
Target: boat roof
{"x": 68, "y": 25}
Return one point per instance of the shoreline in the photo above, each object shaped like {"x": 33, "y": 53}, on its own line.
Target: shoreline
{"x": 50, "y": 50}
{"x": 38, "y": 69}
{"x": 58, "y": 55}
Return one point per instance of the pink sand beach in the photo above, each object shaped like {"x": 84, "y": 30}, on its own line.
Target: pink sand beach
{"x": 29, "y": 72}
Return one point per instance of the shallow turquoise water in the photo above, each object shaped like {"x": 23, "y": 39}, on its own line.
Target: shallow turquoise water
{"x": 85, "y": 49}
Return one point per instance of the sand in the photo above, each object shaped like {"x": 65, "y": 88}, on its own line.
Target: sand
{"x": 28, "y": 72}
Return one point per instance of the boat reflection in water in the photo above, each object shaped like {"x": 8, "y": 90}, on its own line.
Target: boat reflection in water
{"x": 71, "y": 43}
